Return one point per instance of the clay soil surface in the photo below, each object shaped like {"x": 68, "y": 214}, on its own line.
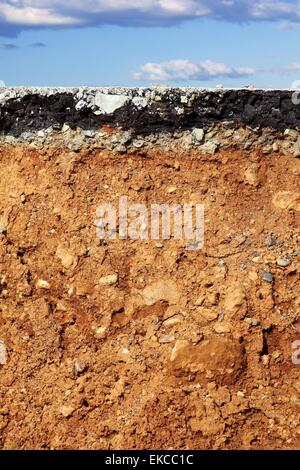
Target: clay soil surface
{"x": 129, "y": 344}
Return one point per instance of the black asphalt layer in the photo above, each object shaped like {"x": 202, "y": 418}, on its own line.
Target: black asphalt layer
{"x": 254, "y": 108}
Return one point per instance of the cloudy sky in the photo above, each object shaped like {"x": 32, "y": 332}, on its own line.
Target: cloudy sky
{"x": 148, "y": 42}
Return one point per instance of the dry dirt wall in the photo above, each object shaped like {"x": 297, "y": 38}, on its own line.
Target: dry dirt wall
{"x": 144, "y": 344}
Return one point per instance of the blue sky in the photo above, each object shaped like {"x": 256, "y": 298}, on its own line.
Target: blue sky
{"x": 146, "y": 42}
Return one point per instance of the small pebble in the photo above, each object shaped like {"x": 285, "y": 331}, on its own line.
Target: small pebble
{"x": 166, "y": 339}
{"x": 138, "y": 144}
{"x": 222, "y": 328}
{"x": 79, "y": 368}
{"x": 109, "y": 280}
{"x": 2, "y": 228}
{"x": 3, "y": 353}
{"x": 42, "y": 284}
{"x": 268, "y": 277}
{"x": 271, "y": 241}
{"x": 173, "y": 320}
{"x": 252, "y": 321}
{"x": 295, "y": 400}
{"x": 265, "y": 359}
{"x": 67, "y": 411}
{"x": 101, "y": 330}
{"x": 252, "y": 275}
{"x": 208, "y": 314}
{"x": 171, "y": 189}
{"x": 283, "y": 262}
{"x": 256, "y": 258}
{"x": 159, "y": 245}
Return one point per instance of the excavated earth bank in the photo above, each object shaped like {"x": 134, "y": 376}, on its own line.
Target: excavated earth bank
{"x": 136, "y": 344}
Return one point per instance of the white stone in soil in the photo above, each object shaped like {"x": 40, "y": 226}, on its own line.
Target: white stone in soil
{"x": 3, "y": 353}
{"x": 109, "y": 103}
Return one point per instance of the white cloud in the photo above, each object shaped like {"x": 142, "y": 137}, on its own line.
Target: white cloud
{"x": 183, "y": 70}
{"x": 294, "y": 67}
{"x": 273, "y": 9}
{"x": 21, "y": 14}
{"x": 2, "y": 83}
{"x": 27, "y": 15}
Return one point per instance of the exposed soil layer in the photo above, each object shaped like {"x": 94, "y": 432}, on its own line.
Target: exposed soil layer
{"x": 124, "y": 344}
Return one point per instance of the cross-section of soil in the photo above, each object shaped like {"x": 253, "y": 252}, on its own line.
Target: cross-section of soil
{"x": 139, "y": 344}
